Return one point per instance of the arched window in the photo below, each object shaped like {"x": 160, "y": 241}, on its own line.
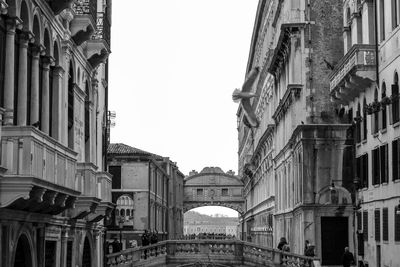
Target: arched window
{"x": 348, "y": 31}
{"x": 395, "y": 112}
{"x": 358, "y": 123}
{"x": 87, "y": 123}
{"x": 71, "y": 106}
{"x": 122, "y": 212}
{"x": 117, "y": 212}
{"x": 128, "y": 212}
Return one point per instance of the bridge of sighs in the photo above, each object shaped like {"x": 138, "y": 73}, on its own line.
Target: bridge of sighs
{"x": 213, "y": 187}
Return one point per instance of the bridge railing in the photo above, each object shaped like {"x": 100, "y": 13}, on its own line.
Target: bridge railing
{"x": 233, "y": 252}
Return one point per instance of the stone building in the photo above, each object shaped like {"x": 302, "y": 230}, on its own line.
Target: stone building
{"x": 148, "y": 190}
{"x": 295, "y": 151}
{"x": 366, "y": 88}
{"x": 196, "y": 223}
{"x": 54, "y": 188}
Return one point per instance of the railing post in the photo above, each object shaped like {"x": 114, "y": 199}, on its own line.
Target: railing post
{"x": 171, "y": 248}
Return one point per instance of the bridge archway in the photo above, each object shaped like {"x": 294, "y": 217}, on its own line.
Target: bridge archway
{"x": 213, "y": 187}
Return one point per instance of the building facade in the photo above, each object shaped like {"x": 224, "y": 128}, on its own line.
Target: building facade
{"x": 366, "y": 87}
{"x": 148, "y": 190}
{"x": 54, "y": 188}
{"x": 197, "y": 224}
{"x": 296, "y": 151}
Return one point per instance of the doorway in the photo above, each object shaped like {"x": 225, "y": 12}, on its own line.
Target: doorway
{"x": 86, "y": 257}
{"x": 334, "y": 238}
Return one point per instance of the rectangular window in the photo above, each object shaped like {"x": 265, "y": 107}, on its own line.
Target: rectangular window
{"x": 365, "y": 225}
{"x": 394, "y": 14}
{"x": 396, "y": 159}
{"x": 377, "y": 225}
{"x": 365, "y": 171}
{"x": 382, "y": 19}
{"x": 115, "y": 171}
{"x": 385, "y": 224}
{"x": 375, "y": 167}
{"x": 396, "y": 224}
{"x": 384, "y": 163}
{"x": 359, "y": 221}
{"x": 224, "y": 192}
{"x": 383, "y": 118}
{"x": 199, "y": 192}
{"x": 394, "y": 107}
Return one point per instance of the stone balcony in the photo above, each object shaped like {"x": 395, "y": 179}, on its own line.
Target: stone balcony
{"x": 355, "y": 72}
{"x": 38, "y": 173}
{"x": 84, "y": 23}
{"x": 206, "y": 253}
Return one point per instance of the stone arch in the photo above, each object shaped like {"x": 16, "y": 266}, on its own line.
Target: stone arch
{"x": 383, "y": 89}
{"x": 86, "y": 250}
{"x": 23, "y": 255}
{"x": 25, "y": 15}
{"x": 333, "y": 194}
{"x": 47, "y": 42}
{"x": 395, "y": 77}
{"x": 37, "y": 27}
{"x": 57, "y": 53}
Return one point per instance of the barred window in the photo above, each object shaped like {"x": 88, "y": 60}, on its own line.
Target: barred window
{"x": 365, "y": 225}
{"x": 377, "y": 225}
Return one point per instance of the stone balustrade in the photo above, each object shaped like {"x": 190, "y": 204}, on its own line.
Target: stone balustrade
{"x": 217, "y": 252}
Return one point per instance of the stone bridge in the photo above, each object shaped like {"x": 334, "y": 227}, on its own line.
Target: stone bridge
{"x": 179, "y": 253}
{"x": 213, "y": 187}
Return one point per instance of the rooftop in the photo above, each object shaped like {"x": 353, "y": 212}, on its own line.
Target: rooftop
{"x": 122, "y": 149}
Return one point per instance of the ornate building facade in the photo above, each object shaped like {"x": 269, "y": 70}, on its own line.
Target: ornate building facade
{"x": 54, "y": 187}
{"x": 366, "y": 87}
{"x": 295, "y": 150}
{"x": 148, "y": 190}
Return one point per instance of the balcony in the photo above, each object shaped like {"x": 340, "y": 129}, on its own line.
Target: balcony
{"x": 355, "y": 72}
{"x": 3, "y": 7}
{"x": 39, "y": 172}
{"x": 84, "y": 23}
{"x": 103, "y": 29}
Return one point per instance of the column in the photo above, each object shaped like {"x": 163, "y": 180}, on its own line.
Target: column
{"x": 56, "y": 124}
{"x": 45, "y": 112}
{"x": 63, "y": 250}
{"x": 35, "y": 85}
{"x": 9, "y": 73}
{"x": 22, "y": 79}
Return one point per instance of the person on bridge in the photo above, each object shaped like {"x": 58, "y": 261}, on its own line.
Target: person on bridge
{"x": 145, "y": 242}
{"x": 282, "y": 243}
{"x": 348, "y": 258}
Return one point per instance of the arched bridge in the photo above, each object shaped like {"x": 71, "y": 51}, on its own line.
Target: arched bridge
{"x": 213, "y": 187}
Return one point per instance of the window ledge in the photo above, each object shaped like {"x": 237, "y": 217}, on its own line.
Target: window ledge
{"x": 396, "y": 124}
{"x": 396, "y": 181}
{"x": 358, "y": 144}
{"x": 375, "y": 134}
{"x": 364, "y": 141}
{"x": 383, "y": 131}
{"x": 385, "y": 183}
{"x": 376, "y": 185}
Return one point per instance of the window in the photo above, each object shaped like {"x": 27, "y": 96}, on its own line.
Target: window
{"x": 2, "y": 62}
{"x": 375, "y": 167}
{"x": 365, "y": 225}
{"x": 396, "y": 224}
{"x": 224, "y": 192}
{"x": 385, "y": 224}
{"x": 375, "y": 116}
{"x": 395, "y": 20}
{"x": 359, "y": 221}
{"x": 71, "y": 107}
{"x": 87, "y": 123}
{"x": 380, "y": 165}
{"x": 382, "y": 117}
{"x": 115, "y": 171}
{"x": 382, "y": 19}
{"x": 362, "y": 170}
{"x": 396, "y": 159}
{"x": 358, "y": 124}
{"x": 394, "y": 112}
{"x": 377, "y": 225}
{"x": 384, "y": 163}
{"x": 199, "y": 192}
{"x": 364, "y": 121}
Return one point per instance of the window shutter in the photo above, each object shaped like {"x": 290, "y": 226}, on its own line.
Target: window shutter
{"x": 395, "y": 165}
{"x": 398, "y": 158}
{"x": 365, "y": 225}
{"x": 385, "y": 177}
{"x": 359, "y": 221}
{"x": 380, "y": 119}
{"x": 377, "y": 225}
{"x": 385, "y": 224}
{"x": 373, "y": 126}
{"x": 365, "y": 172}
{"x": 362, "y": 133}
{"x": 375, "y": 166}
{"x": 358, "y": 168}
{"x": 391, "y": 114}
{"x": 396, "y": 224}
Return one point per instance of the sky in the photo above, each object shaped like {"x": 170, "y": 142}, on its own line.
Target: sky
{"x": 173, "y": 68}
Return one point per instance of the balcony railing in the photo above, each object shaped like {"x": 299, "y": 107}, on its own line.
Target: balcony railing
{"x": 179, "y": 252}
{"x": 86, "y": 7}
{"x": 360, "y": 57}
{"x": 103, "y": 28}
{"x": 293, "y": 16}
{"x": 34, "y": 154}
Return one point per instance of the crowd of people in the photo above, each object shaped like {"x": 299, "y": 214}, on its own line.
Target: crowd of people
{"x": 220, "y": 236}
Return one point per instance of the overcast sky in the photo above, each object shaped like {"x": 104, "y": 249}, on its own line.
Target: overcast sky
{"x": 173, "y": 68}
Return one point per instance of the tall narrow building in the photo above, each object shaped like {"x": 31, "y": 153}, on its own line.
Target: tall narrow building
{"x": 296, "y": 151}
{"x": 55, "y": 190}
{"x": 367, "y": 87}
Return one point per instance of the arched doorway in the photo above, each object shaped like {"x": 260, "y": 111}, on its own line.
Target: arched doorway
{"x": 23, "y": 256}
{"x": 86, "y": 256}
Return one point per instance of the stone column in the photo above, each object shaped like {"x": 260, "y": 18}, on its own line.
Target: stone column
{"x": 9, "y": 72}
{"x": 45, "y": 112}
{"x": 64, "y": 244}
{"x": 34, "y": 116}
{"x": 56, "y": 124}
{"x": 22, "y": 79}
